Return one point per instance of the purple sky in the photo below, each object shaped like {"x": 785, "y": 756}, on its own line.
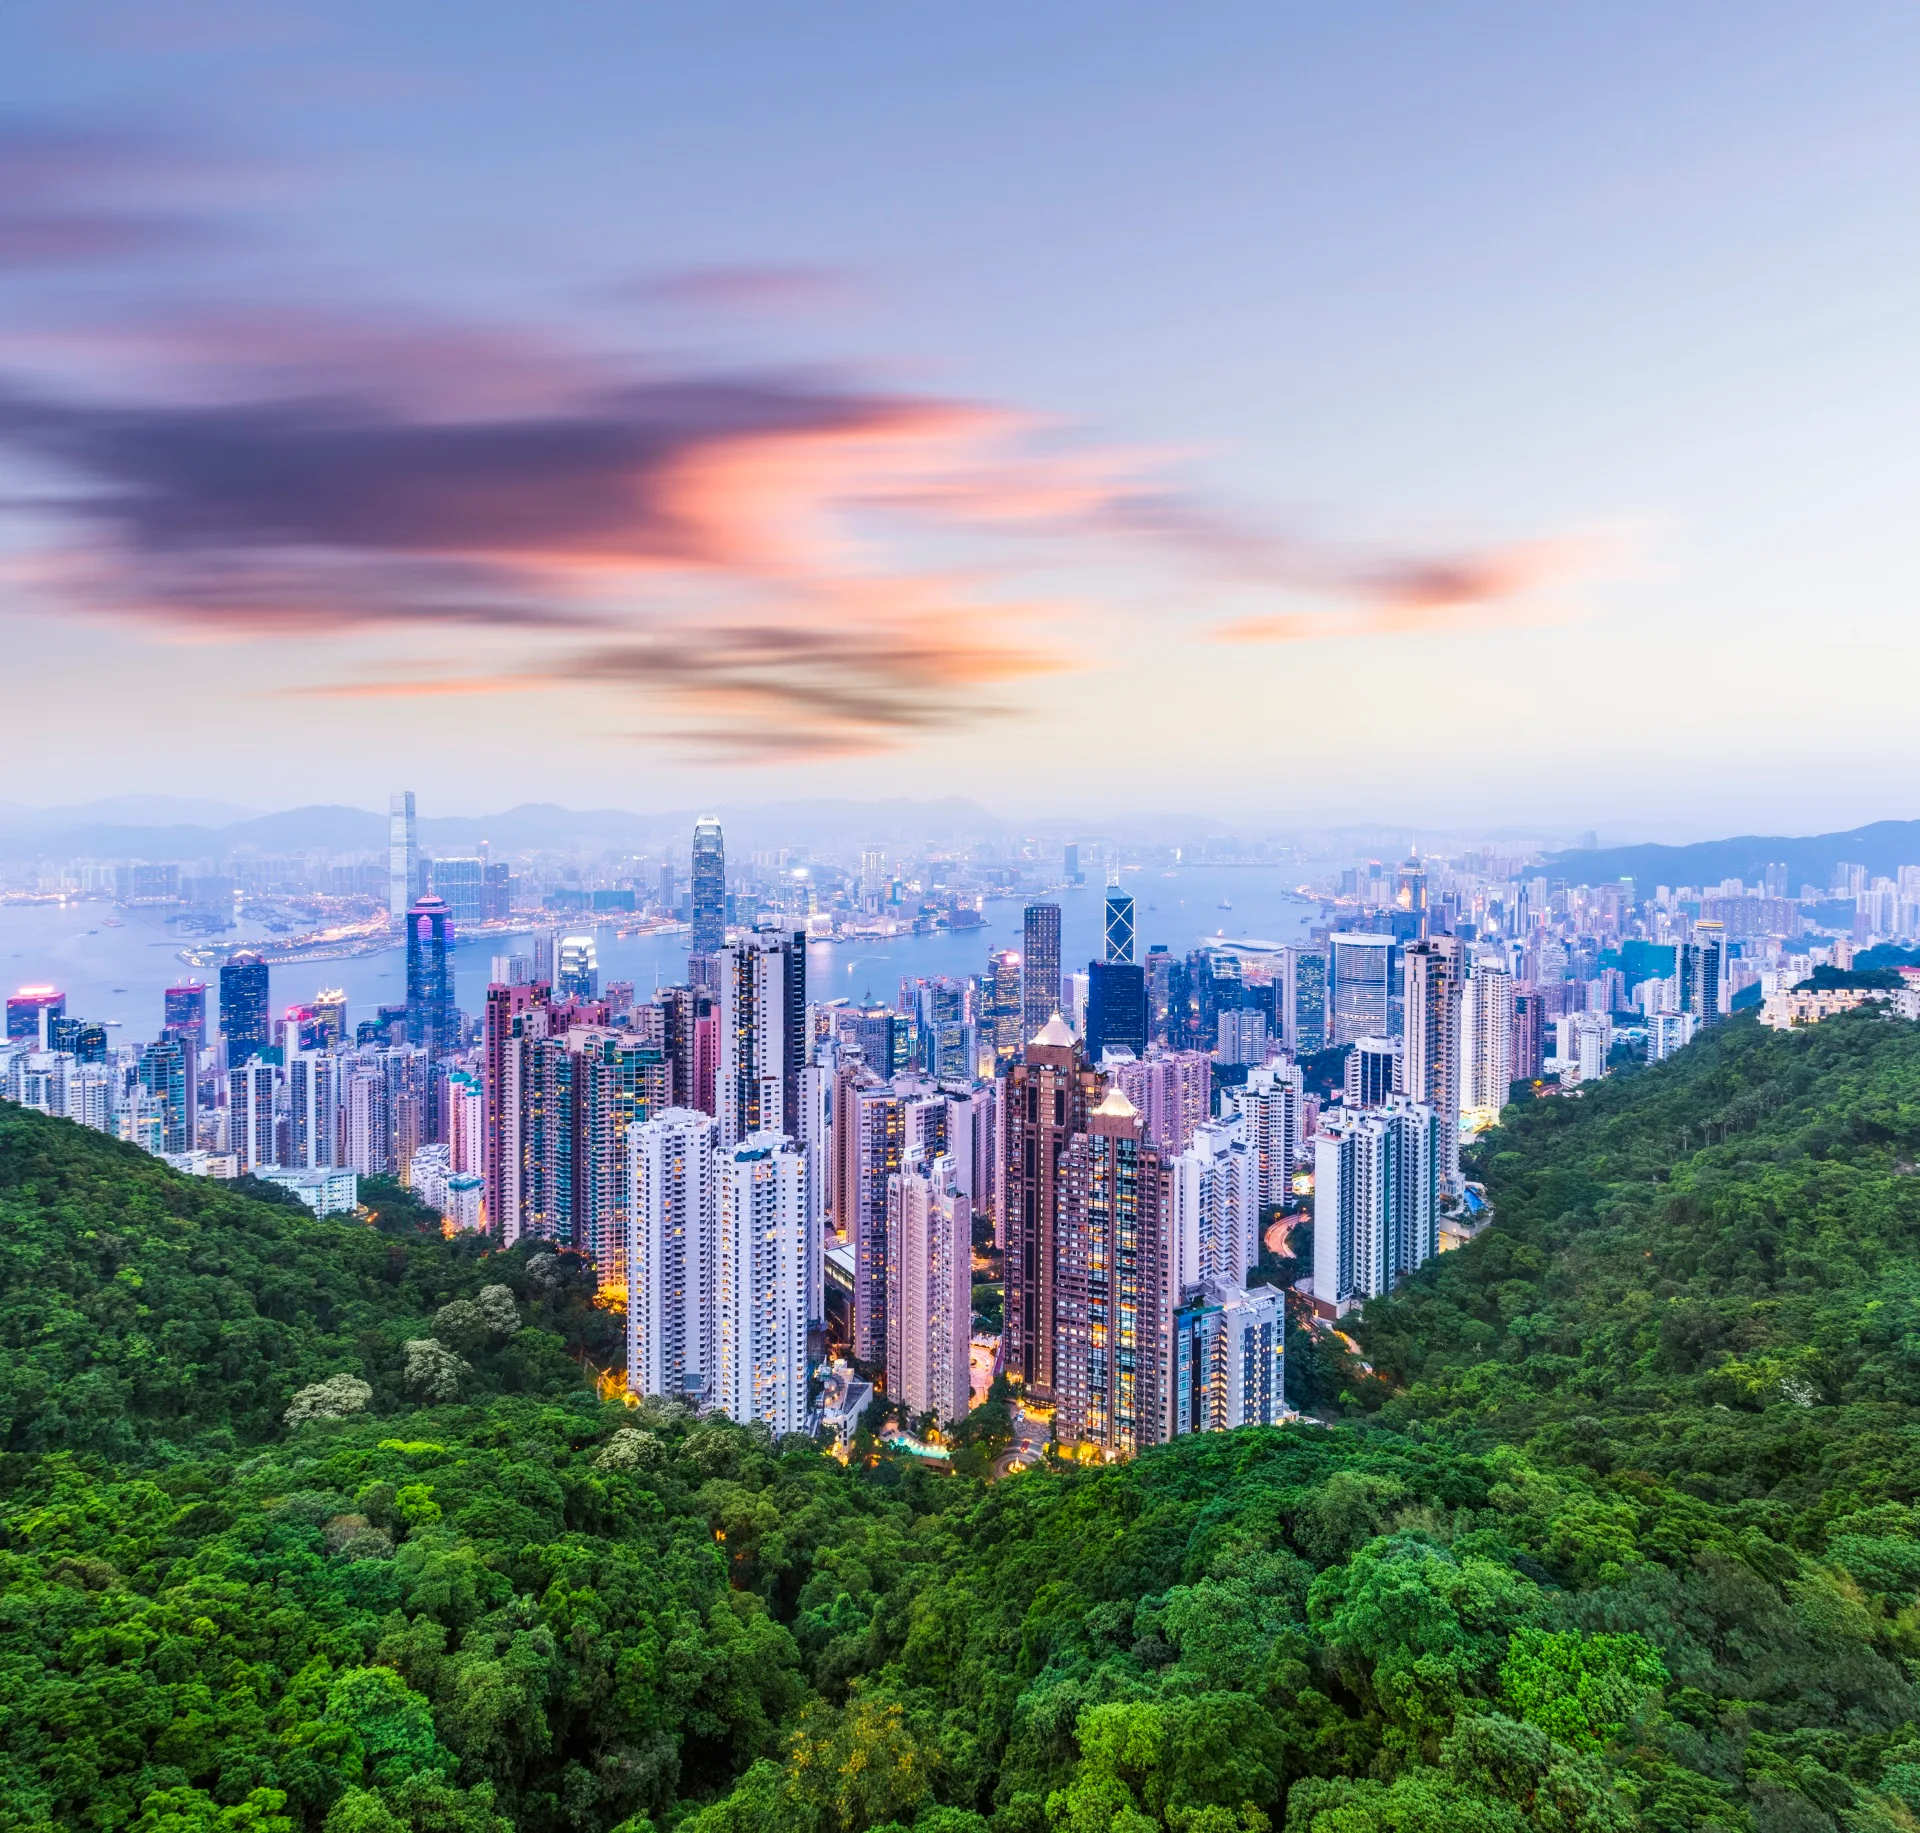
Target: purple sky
{"x": 1455, "y": 416}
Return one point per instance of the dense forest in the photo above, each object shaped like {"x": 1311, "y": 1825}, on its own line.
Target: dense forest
{"x": 1610, "y": 1524}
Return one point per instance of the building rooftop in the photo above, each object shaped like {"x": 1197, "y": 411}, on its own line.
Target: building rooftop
{"x": 1054, "y": 1034}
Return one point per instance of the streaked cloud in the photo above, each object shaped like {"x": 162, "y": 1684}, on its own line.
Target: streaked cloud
{"x": 74, "y": 197}
{"x": 746, "y": 287}
{"x": 1496, "y": 588}
{"x": 749, "y": 562}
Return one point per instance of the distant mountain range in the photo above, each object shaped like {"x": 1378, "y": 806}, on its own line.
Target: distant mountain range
{"x": 189, "y": 831}
{"x": 1882, "y": 847}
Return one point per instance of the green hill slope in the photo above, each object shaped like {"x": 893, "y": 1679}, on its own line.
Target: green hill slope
{"x": 139, "y": 1307}
{"x": 1620, "y": 1533}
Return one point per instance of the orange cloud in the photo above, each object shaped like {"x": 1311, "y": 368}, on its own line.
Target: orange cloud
{"x": 1473, "y": 592}
{"x": 747, "y": 556}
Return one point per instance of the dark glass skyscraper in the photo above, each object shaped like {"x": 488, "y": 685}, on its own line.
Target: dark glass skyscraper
{"x": 709, "y": 887}
{"x": 1116, "y": 1008}
{"x": 25, "y": 1007}
{"x": 403, "y": 853}
{"x": 1039, "y": 969}
{"x": 1119, "y": 925}
{"x": 244, "y": 1026}
{"x": 85, "y": 1042}
{"x": 433, "y": 1023}
{"x": 186, "y": 1010}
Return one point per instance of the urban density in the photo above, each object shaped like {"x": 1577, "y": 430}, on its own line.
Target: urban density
{"x": 1098, "y": 1181}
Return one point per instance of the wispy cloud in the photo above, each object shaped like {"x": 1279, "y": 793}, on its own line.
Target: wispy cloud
{"x": 72, "y": 197}
{"x": 1477, "y": 591}
{"x": 746, "y": 287}
{"x": 766, "y": 562}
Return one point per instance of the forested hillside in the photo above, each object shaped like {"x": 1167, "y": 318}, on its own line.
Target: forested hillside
{"x": 138, "y": 1307}
{"x": 1617, "y": 1532}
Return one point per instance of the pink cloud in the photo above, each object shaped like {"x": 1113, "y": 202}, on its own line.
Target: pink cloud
{"x": 742, "y": 554}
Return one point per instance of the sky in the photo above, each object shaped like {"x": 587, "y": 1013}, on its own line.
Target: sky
{"x": 1445, "y": 415}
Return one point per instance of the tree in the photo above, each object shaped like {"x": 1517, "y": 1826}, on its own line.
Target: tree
{"x": 337, "y": 1397}
{"x": 433, "y": 1371}
{"x": 1582, "y": 1690}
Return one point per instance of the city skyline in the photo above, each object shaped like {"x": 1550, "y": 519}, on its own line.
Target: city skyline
{"x": 1295, "y": 363}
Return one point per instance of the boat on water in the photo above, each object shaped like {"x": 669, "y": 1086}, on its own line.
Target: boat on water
{"x": 1226, "y": 904}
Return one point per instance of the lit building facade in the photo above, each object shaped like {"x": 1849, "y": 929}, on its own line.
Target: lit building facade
{"x": 1229, "y": 1358}
{"x": 709, "y": 906}
{"x": 929, "y": 1289}
{"x": 763, "y": 1370}
{"x": 673, "y": 1253}
{"x": 1039, "y": 967}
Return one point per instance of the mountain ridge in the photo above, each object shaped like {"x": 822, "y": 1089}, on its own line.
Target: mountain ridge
{"x": 1881, "y": 846}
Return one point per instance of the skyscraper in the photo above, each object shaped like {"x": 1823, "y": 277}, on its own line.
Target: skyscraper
{"x": 1701, "y": 972}
{"x": 1303, "y": 1001}
{"x": 403, "y": 854}
{"x": 763, "y": 1309}
{"x": 1047, "y": 1097}
{"x": 245, "y": 1029}
{"x": 1242, "y": 1036}
{"x": 1159, "y": 965}
{"x": 433, "y": 1021}
{"x": 1373, "y": 1072}
{"x": 1214, "y": 1196}
{"x": 186, "y": 1011}
{"x": 251, "y": 1131}
{"x": 312, "y": 1108}
{"x": 461, "y": 883}
{"x": 763, "y": 1034}
{"x": 1410, "y": 893}
{"x": 1112, "y": 1340}
{"x": 1002, "y": 999}
{"x": 1039, "y": 968}
{"x": 1487, "y": 1043}
{"x": 1229, "y": 1358}
{"x": 1359, "y": 995}
{"x": 1376, "y": 1196}
{"x": 673, "y": 1255}
{"x": 365, "y": 1122}
{"x": 466, "y": 1125}
{"x": 1116, "y": 1008}
{"x": 1430, "y": 1060}
{"x": 514, "y": 1014}
{"x": 709, "y": 887}
{"x": 929, "y": 1290}
{"x": 873, "y": 1121}
{"x": 166, "y": 1072}
{"x": 689, "y": 1030}
{"x": 948, "y": 1045}
{"x": 1272, "y": 1109}
{"x": 1119, "y": 925}
{"x": 83, "y": 1041}
{"x": 1529, "y": 1032}
{"x": 30, "y": 1010}
{"x": 577, "y": 968}
{"x": 1172, "y": 1091}
{"x": 330, "y": 1014}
